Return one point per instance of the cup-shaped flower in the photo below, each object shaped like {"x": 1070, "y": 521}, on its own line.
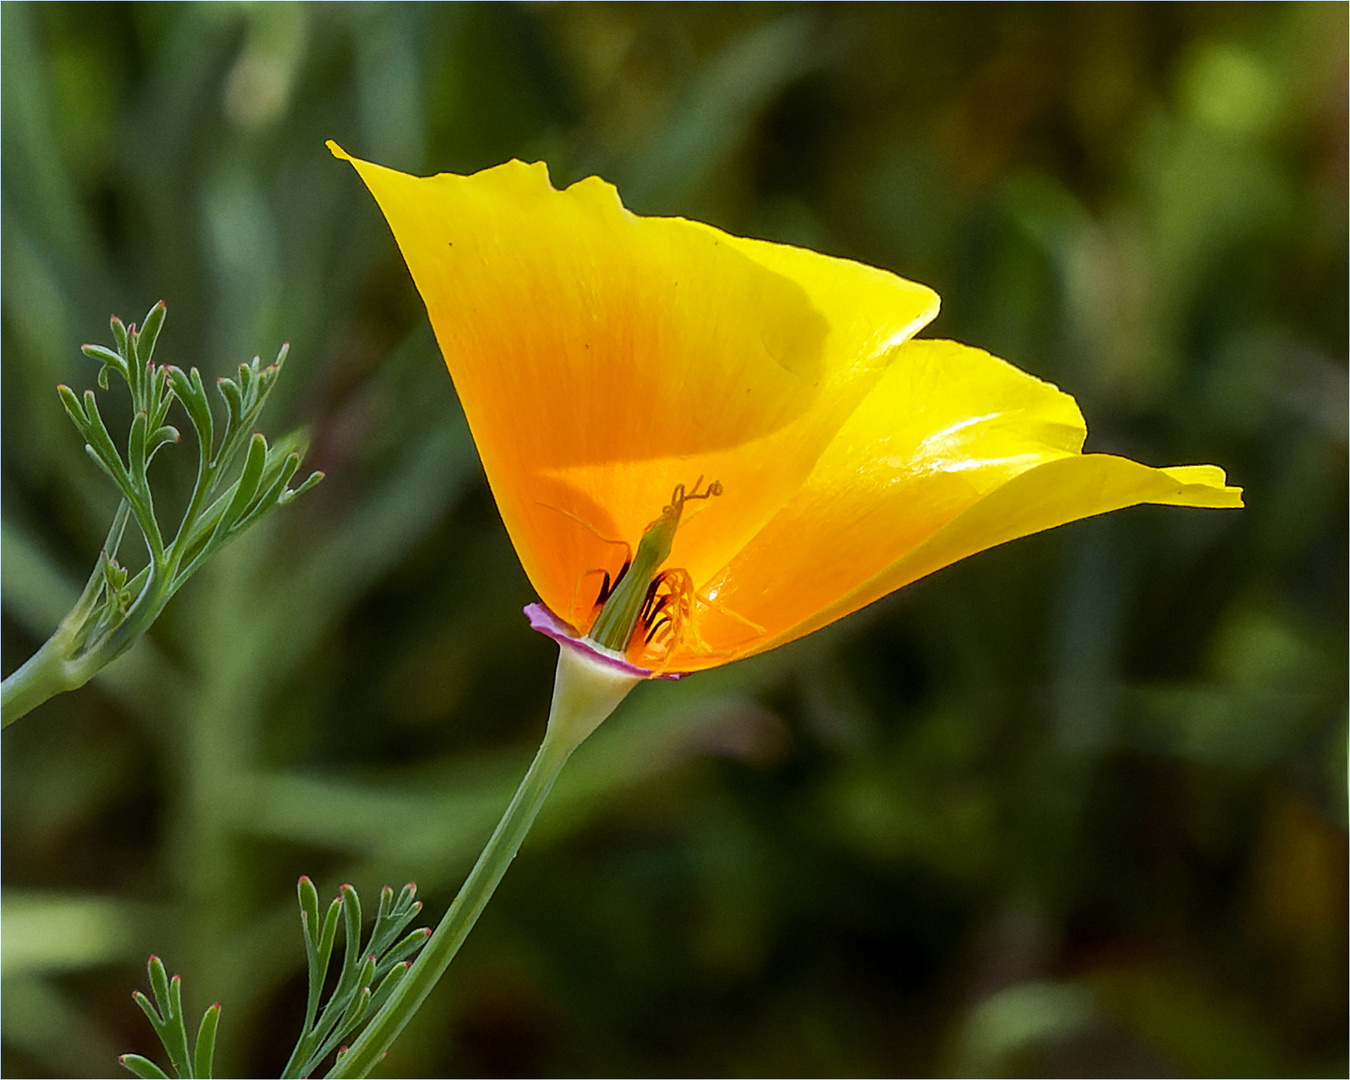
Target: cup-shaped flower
{"x": 748, "y": 434}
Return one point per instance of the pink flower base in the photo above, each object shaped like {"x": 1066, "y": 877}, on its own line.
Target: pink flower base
{"x": 550, "y": 625}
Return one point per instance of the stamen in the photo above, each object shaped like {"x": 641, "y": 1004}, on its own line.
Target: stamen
{"x": 635, "y": 590}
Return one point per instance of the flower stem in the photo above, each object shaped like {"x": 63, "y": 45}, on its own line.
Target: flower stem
{"x": 585, "y": 691}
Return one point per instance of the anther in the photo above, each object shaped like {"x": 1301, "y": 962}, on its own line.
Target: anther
{"x": 632, "y": 594}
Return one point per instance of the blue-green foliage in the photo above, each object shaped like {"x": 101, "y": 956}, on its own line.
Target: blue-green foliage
{"x": 369, "y": 974}
{"x": 115, "y": 609}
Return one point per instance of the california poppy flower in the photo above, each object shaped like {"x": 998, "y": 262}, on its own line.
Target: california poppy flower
{"x": 746, "y": 438}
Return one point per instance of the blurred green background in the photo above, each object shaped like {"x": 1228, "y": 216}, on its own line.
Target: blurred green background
{"x": 1075, "y": 806}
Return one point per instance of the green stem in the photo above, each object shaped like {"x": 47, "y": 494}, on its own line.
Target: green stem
{"x": 585, "y": 691}
{"x": 53, "y": 669}
{"x": 45, "y": 674}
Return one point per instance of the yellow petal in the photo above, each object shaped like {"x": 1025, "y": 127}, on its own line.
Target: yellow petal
{"x": 602, "y": 358}
{"x": 954, "y": 451}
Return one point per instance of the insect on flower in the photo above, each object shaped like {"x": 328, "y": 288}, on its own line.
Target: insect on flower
{"x": 606, "y": 360}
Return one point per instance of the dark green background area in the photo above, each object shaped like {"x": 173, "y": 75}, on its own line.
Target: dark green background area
{"x": 1075, "y": 806}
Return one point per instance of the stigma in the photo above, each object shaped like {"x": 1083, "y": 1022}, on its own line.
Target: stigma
{"x": 645, "y": 599}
